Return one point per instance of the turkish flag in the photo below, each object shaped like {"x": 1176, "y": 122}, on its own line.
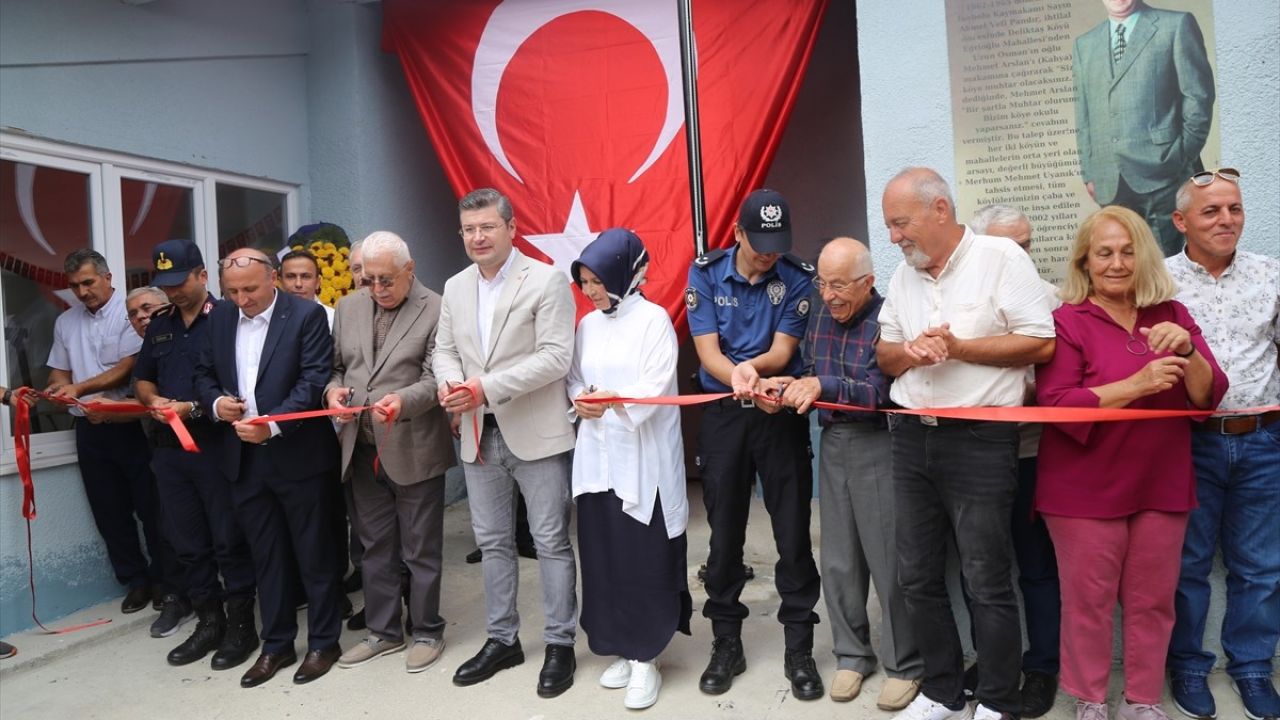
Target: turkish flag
{"x": 574, "y": 110}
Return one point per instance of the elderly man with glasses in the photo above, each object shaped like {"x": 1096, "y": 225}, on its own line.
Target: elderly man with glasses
{"x": 854, "y": 478}
{"x": 1234, "y": 295}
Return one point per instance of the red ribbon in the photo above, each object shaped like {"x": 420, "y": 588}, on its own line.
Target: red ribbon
{"x": 304, "y": 414}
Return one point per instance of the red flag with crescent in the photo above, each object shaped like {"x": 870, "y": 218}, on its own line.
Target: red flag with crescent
{"x": 574, "y": 109}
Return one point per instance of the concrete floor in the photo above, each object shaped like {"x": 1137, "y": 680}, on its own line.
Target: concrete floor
{"x": 118, "y": 671}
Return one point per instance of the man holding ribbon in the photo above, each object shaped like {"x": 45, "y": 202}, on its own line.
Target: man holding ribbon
{"x": 195, "y": 500}
{"x": 394, "y": 455}
{"x": 748, "y": 306}
{"x": 964, "y": 316}
{"x": 93, "y": 352}
{"x": 270, "y": 354}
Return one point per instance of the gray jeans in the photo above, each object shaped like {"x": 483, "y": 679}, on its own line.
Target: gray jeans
{"x": 491, "y": 489}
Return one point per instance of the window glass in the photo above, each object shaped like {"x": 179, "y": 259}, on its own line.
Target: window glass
{"x": 151, "y": 213}
{"x": 250, "y": 218}
{"x": 44, "y": 215}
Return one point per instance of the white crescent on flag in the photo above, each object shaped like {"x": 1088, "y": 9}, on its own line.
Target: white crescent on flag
{"x": 514, "y": 21}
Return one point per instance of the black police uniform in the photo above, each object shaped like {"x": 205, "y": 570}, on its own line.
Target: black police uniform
{"x": 737, "y": 441}
{"x": 195, "y": 499}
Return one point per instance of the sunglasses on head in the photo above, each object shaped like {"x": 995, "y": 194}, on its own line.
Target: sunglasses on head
{"x": 1206, "y": 177}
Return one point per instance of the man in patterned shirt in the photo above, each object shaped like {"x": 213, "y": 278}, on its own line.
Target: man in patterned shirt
{"x": 1234, "y": 296}
{"x": 855, "y": 481}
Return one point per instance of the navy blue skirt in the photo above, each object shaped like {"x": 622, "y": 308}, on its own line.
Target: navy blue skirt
{"x": 635, "y": 583}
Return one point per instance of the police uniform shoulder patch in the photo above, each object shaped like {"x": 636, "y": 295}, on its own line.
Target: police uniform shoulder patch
{"x": 166, "y": 311}
{"x": 691, "y": 298}
{"x": 802, "y": 307}
{"x": 207, "y": 308}
{"x": 798, "y": 263}
{"x": 705, "y": 260}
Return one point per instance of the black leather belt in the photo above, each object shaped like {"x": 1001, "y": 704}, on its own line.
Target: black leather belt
{"x": 1237, "y": 424}
{"x": 933, "y": 421}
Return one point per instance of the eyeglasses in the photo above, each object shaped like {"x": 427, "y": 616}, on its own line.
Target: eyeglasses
{"x": 474, "y": 230}
{"x": 1206, "y": 177}
{"x": 243, "y": 261}
{"x": 836, "y": 287}
{"x": 382, "y": 281}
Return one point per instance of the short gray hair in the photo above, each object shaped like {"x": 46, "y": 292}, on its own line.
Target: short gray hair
{"x": 487, "y": 197}
{"x": 927, "y": 185}
{"x": 85, "y": 256}
{"x": 382, "y": 242}
{"x": 996, "y": 215}
{"x": 355, "y": 246}
{"x": 146, "y": 290}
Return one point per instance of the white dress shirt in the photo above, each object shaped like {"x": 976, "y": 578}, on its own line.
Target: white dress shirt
{"x": 636, "y": 451}
{"x": 487, "y": 294}
{"x": 988, "y": 287}
{"x": 251, "y": 335}
{"x": 87, "y": 344}
{"x": 1239, "y": 314}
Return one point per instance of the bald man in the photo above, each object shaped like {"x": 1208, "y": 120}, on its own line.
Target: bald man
{"x": 270, "y": 353}
{"x": 854, "y": 478}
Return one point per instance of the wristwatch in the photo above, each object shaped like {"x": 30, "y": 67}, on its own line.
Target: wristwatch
{"x": 196, "y": 411}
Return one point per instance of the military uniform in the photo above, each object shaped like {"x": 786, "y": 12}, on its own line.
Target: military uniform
{"x": 737, "y": 441}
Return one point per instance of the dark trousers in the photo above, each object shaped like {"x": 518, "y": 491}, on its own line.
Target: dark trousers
{"x": 1037, "y": 577}
{"x": 958, "y": 480}
{"x": 399, "y": 526}
{"x": 195, "y": 504}
{"x": 115, "y": 468}
{"x": 1157, "y": 209}
{"x": 736, "y": 443}
{"x": 289, "y": 526}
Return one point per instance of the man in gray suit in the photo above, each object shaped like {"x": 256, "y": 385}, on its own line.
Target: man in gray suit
{"x": 384, "y": 336}
{"x": 1144, "y": 102}
{"x": 503, "y": 349}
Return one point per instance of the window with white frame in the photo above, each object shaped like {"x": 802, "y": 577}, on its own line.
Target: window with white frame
{"x": 56, "y": 198}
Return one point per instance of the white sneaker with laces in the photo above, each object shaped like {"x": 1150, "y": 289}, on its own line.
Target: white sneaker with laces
{"x": 643, "y": 687}
{"x": 617, "y": 675}
{"x": 922, "y": 708}
{"x": 982, "y": 712}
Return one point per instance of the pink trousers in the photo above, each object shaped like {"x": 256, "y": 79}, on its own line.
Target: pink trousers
{"x": 1132, "y": 560}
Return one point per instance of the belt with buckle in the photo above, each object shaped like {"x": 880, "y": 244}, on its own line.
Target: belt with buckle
{"x": 1237, "y": 424}
{"x": 733, "y": 402}
{"x": 934, "y": 421}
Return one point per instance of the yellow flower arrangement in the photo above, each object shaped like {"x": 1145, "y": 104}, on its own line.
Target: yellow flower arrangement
{"x": 330, "y": 246}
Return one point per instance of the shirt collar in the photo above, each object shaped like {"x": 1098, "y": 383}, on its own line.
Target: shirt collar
{"x": 1128, "y": 24}
{"x": 872, "y": 305}
{"x": 731, "y": 268}
{"x": 502, "y": 271}
{"x": 1185, "y": 260}
{"x": 265, "y": 314}
{"x": 966, "y": 242}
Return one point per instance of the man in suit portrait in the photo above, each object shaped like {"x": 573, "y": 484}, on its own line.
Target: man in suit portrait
{"x": 270, "y": 353}
{"x": 1144, "y": 103}
{"x": 503, "y": 349}
{"x": 384, "y": 336}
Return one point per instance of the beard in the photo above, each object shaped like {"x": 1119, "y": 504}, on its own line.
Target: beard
{"x": 914, "y": 257}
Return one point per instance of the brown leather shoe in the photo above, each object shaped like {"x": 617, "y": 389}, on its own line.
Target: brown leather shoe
{"x": 316, "y": 663}
{"x": 266, "y": 667}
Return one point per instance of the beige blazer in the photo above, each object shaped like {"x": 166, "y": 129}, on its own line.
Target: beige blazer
{"x": 419, "y": 446}
{"x": 523, "y": 370}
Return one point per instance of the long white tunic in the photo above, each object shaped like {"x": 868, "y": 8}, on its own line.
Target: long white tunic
{"x": 636, "y": 451}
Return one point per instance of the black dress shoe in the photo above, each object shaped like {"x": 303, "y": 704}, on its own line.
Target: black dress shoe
{"x": 354, "y": 582}
{"x": 266, "y": 667}
{"x": 806, "y": 683}
{"x": 475, "y": 556}
{"x": 136, "y": 599}
{"x": 970, "y": 683}
{"x": 494, "y": 656}
{"x": 727, "y": 661}
{"x": 357, "y": 621}
{"x": 1039, "y": 690}
{"x": 557, "y": 671}
{"x": 241, "y": 638}
{"x": 211, "y": 626}
{"x": 316, "y": 664}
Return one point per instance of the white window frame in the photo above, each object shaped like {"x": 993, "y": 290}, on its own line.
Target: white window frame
{"x": 106, "y": 169}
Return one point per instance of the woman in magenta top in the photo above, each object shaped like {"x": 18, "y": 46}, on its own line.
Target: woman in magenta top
{"x": 1116, "y": 495}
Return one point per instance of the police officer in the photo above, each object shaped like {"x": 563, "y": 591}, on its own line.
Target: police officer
{"x": 748, "y": 307}
{"x": 195, "y": 500}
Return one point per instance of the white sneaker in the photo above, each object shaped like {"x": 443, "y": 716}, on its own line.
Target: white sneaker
{"x": 982, "y": 712}
{"x": 922, "y": 708}
{"x": 617, "y": 675}
{"x": 642, "y": 689}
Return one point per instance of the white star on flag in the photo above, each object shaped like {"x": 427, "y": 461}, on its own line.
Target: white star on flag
{"x": 565, "y": 247}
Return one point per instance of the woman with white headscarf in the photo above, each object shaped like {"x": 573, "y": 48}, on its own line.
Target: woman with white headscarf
{"x": 628, "y": 470}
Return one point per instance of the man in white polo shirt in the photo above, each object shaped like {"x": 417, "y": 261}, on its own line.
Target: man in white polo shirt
{"x": 93, "y": 352}
{"x": 963, "y": 318}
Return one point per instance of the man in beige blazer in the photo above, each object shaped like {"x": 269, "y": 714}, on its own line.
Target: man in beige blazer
{"x": 503, "y": 349}
{"x": 383, "y": 338}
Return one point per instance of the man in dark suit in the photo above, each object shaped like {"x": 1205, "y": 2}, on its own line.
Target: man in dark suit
{"x": 1144, "y": 102}
{"x": 270, "y": 353}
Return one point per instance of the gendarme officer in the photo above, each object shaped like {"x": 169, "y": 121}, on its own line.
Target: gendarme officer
{"x": 195, "y": 500}
{"x": 748, "y": 308}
